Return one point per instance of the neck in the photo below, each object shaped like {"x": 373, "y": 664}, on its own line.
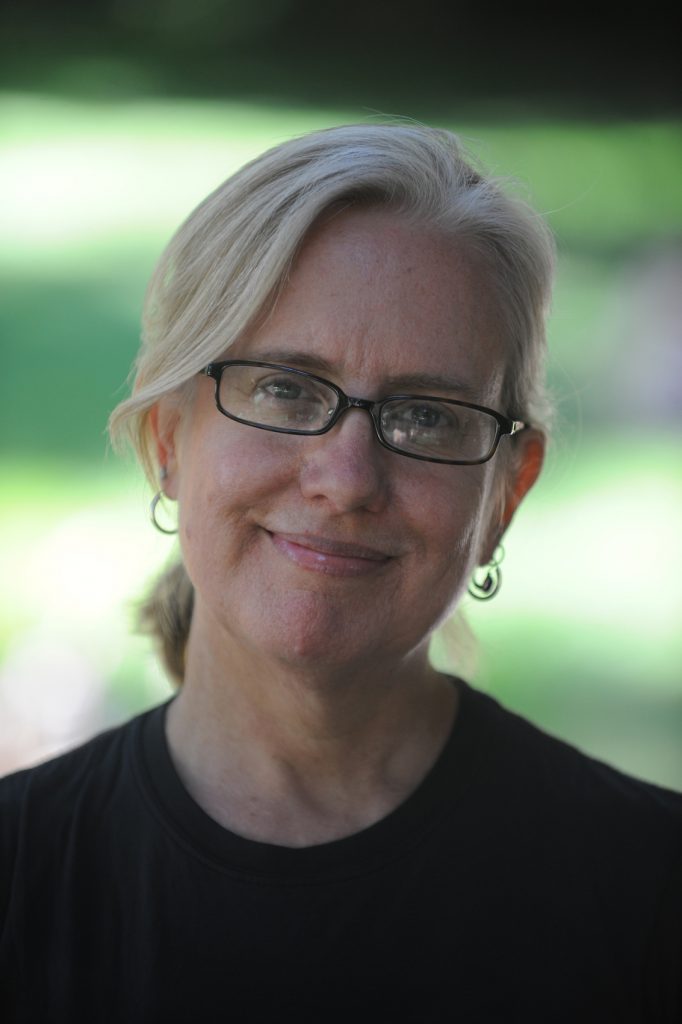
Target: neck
{"x": 298, "y": 754}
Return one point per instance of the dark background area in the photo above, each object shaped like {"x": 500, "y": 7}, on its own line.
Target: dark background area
{"x": 417, "y": 55}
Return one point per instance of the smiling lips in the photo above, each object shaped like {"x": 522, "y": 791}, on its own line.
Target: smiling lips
{"x": 335, "y": 558}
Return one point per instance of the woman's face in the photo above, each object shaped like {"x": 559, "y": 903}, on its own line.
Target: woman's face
{"x": 332, "y": 548}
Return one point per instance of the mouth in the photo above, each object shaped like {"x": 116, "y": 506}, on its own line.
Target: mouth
{"x": 325, "y": 555}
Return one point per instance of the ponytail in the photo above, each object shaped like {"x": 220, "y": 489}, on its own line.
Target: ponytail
{"x": 166, "y": 614}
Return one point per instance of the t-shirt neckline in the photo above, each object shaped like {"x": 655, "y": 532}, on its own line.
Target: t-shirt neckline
{"x": 389, "y": 838}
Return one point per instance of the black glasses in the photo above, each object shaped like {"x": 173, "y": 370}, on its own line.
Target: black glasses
{"x": 274, "y": 397}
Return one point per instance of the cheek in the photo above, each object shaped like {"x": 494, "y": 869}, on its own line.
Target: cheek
{"x": 456, "y": 514}
{"x": 224, "y": 473}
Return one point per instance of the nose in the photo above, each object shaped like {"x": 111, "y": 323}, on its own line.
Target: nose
{"x": 346, "y": 467}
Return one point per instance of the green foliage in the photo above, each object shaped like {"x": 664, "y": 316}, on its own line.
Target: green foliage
{"x": 584, "y": 637}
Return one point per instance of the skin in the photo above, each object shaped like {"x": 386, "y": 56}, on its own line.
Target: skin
{"x": 322, "y": 564}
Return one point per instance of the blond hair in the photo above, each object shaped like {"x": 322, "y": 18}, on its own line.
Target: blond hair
{"x": 223, "y": 268}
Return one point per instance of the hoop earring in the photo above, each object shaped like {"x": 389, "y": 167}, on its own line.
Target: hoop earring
{"x": 484, "y": 589}
{"x": 152, "y": 514}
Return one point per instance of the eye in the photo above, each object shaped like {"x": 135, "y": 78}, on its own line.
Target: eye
{"x": 285, "y": 389}
{"x": 418, "y": 418}
{"x": 428, "y": 416}
{"x": 291, "y": 401}
{"x": 421, "y": 426}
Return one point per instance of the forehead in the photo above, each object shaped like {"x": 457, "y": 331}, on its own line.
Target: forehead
{"x": 373, "y": 296}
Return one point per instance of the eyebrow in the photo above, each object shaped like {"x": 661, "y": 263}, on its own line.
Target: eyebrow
{"x": 393, "y": 384}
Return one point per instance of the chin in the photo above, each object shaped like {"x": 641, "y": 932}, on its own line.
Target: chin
{"x": 309, "y": 630}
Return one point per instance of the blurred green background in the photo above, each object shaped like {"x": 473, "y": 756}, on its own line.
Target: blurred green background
{"x": 116, "y": 119}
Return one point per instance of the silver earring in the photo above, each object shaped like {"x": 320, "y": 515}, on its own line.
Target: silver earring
{"x": 163, "y": 473}
{"x": 487, "y": 579}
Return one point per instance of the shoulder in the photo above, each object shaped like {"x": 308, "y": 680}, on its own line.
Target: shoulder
{"x": 68, "y": 772}
{"x": 584, "y": 846}
{"x": 40, "y": 805}
{"x": 94, "y": 765}
{"x": 594, "y": 844}
{"x": 544, "y": 775}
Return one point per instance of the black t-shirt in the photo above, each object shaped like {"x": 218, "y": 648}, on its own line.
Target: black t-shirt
{"x": 522, "y": 881}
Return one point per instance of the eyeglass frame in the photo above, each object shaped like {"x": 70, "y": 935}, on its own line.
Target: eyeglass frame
{"x": 505, "y": 424}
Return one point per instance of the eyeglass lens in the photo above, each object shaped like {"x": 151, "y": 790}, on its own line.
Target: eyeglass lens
{"x": 284, "y": 400}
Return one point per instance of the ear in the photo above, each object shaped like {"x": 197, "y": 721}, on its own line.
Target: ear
{"x": 164, "y": 421}
{"x": 525, "y": 465}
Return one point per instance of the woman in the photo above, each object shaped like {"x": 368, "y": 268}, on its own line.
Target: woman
{"x": 340, "y": 385}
